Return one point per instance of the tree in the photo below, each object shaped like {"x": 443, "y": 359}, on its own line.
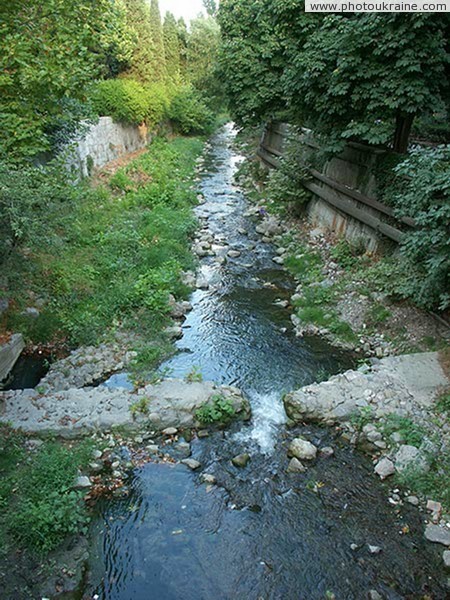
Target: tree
{"x": 172, "y": 47}
{"x": 49, "y": 53}
{"x": 358, "y": 76}
{"x": 366, "y": 76}
{"x": 202, "y": 58}
{"x": 159, "y": 64}
{"x": 251, "y": 60}
{"x": 210, "y": 7}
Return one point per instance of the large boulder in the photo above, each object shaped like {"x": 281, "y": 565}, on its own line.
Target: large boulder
{"x": 302, "y": 449}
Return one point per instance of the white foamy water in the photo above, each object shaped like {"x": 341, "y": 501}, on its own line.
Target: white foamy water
{"x": 267, "y": 415}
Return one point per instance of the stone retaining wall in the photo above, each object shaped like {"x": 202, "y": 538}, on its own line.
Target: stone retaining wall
{"x": 105, "y": 141}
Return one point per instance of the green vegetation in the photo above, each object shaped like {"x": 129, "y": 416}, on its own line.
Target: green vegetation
{"x": 190, "y": 114}
{"x": 362, "y": 417}
{"x": 105, "y": 257}
{"x": 347, "y": 253}
{"x": 218, "y": 410}
{"x": 410, "y": 432}
{"x": 442, "y": 405}
{"x": 194, "y": 375}
{"x": 354, "y": 76}
{"x": 435, "y": 483}
{"x": 128, "y": 101}
{"x": 64, "y": 62}
{"x": 140, "y": 407}
{"x": 39, "y": 505}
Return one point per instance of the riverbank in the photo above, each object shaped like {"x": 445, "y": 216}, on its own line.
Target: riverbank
{"x": 108, "y": 279}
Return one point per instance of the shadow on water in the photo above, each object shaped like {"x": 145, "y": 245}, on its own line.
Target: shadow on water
{"x": 261, "y": 533}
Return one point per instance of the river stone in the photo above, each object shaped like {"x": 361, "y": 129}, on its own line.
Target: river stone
{"x": 302, "y": 449}
{"x": 69, "y": 413}
{"x": 385, "y": 468}
{"x": 413, "y": 500}
{"x": 437, "y": 534}
{"x": 170, "y": 431}
{"x": 184, "y": 448}
{"x": 152, "y": 449}
{"x": 208, "y": 478}
{"x": 241, "y": 460}
{"x": 191, "y": 463}
{"x": 412, "y": 381}
{"x": 374, "y": 549}
{"x": 82, "y": 482}
{"x": 234, "y": 253}
{"x": 327, "y": 452}
{"x": 446, "y": 558}
{"x": 295, "y": 466}
{"x": 410, "y": 456}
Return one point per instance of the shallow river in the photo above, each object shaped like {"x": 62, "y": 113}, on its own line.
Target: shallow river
{"x": 261, "y": 533}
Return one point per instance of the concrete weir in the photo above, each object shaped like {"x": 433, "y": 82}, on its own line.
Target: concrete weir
{"x": 9, "y": 353}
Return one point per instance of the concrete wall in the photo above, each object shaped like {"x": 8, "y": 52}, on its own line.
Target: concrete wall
{"x": 9, "y": 353}
{"x": 104, "y": 142}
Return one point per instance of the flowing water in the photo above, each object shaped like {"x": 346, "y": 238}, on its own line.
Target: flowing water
{"x": 261, "y": 533}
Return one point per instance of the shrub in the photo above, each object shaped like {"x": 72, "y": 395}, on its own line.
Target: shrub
{"x": 47, "y": 508}
{"x": 158, "y": 103}
{"x": 124, "y": 100}
{"x": 190, "y": 114}
{"x": 425, "y": 196}
{"x": 30, "y": 197}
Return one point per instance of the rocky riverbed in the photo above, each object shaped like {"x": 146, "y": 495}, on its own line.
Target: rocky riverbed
{"x": 290, "y": 507}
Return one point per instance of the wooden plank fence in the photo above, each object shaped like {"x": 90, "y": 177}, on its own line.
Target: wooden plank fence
{"x": 349, "y": 201}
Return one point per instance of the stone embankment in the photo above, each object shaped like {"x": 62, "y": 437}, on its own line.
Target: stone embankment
{"x": 72, "y": 412}
{"x": 406, "y": 385}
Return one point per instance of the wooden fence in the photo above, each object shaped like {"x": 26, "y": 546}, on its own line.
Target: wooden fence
{"x": 345, "y": 199}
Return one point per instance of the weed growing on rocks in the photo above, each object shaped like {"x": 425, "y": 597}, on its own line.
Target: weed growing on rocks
{"x": 218, "y": 410}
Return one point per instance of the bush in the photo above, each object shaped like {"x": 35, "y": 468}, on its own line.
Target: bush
{"x": 122, "y": 99}
{"x": 30, "y": 197}
{"x": 47, "y": 508}
{"x": 425, "y": 196}
{"x": 190, "y": 114}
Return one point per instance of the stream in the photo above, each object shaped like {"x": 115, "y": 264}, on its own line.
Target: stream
{"x": 260, "y": 533}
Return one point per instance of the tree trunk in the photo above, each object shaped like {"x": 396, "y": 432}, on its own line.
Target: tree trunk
{"x": 402, "y": 132}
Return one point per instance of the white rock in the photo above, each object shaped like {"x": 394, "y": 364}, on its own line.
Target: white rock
{"x": 384, "y": 468}
{"x": 191, "y": 463}
{"x": 208, "y": 478}
{"x": 437, "y": 534}
{"x": 374, "y": 549}
{"x": 410, "y": 456}
{"x": 295, "y": 466}
{"x": 446, "y": 558}
{"x": 170, "y": 431}
{"x": 83, "y": 482}
{"x": 302, "y": 449}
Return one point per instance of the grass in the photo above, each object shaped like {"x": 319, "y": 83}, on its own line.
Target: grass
{"x": 411, "y": 433}
{"x": 194, "y": 375}
{"x": 117, "y": 253}
{"x": 435, "y": 483}
{"x": 140, "y": 407}
{"x": 39, "y": 507}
